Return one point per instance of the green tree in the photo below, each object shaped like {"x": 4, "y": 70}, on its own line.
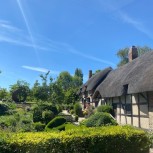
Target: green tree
{"x": 42, "y": 91}
{"x": 56, "y": 93}
{"x": 123, "y": 54}
{"x": 20, "y": 91}
{"x": 78, "y": 73}
{"x": 3, "y": 93}
{"x": 65, "y": 80}
{"x": 71, "y": 96}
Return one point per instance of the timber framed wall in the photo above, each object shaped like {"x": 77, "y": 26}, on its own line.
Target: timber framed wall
{"x": 133, "y": 109}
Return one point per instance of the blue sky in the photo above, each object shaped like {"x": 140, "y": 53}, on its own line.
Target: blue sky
{"x": 62, "y": 35}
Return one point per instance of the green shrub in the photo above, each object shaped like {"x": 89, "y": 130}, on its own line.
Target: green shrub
{"x": 112, "y": 139}
{"x": 57, "y": 121}
{"x": 26, "y": 121}
{"x": 68, "y": 117}
{"x": 49, "y": 106}
{"x": 99, "y": 119}
{"x": 59, "y": 108}
{"x": 4, "y": 108}
{"x": 105, "y": 109}
{"x": 76, "y": 118}
{"x": 39, "y": 126}
{"x": 47, "y": 116}
{"x": 37, "y": 115}
{"x": 78, "y": 109}
{"x": 71, "y": 111}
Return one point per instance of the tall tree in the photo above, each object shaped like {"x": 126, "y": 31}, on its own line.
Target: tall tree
{"x": 3, "y": 93}
{"x": 65, "y": 80}
{"x": 20, "y": 91}
{"x": 123, "y": 54}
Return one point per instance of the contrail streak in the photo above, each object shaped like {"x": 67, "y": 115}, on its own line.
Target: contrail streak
{"x": 28, "y": 28}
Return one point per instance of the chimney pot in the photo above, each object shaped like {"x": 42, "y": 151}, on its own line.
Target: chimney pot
{"x": 133, "y": 53}
{"x": 90, "y": 74}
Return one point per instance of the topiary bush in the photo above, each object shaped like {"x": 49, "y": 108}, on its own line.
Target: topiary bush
{"x": 76, "y": 118}
{"x": 37, "y": 114}
{"x": 78, "y": 109}
{"x": 4, "y": 108}
{"x": 39, "y": 126}
{"x": 49, "y": 106}
{"x": 57, "y": 121}
{"x": 99, "y": 119}
{"x": 105, "y": 109}
{"x": 47, "y": 116}
{"x": 71, "y": 111}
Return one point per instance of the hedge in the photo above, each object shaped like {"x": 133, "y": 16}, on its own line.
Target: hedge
{"x": 111, "y": 139}
{"x": 99, "y": 119}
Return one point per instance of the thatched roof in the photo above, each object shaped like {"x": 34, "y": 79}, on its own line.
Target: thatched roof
{"x": 95, "y": 80}
{"x": 137, "y": 76}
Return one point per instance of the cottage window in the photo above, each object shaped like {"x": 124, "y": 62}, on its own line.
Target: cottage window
{"x": 88, "y": 100}
{"x": 127, "y": 109}
{"x": 125, "y": 89}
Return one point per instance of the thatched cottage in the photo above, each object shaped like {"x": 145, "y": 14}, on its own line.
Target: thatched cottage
{"x": 87, "y": 89}
{"x": 129, "y": 89}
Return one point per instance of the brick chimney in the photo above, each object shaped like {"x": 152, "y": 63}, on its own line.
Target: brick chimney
{"x": 90, "y": 74}
{"x": 133, "y": 53}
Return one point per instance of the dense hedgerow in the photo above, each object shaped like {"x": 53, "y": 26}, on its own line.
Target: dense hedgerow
{"x": 113, "y": 139}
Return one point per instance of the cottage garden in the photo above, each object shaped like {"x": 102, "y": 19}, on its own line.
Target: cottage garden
{"x": 44, "y": 128}
{"x": 46, "y": 119}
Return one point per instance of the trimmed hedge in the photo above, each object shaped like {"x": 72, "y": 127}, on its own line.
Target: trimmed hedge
{"x": 57, "y": 121}
{"x": 112, "y": 139}
{"x": 105, "y": 109}
{"x": 99, "y": 119}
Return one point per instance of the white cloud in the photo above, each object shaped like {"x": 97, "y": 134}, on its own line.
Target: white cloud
{"x": 38, "y": 69}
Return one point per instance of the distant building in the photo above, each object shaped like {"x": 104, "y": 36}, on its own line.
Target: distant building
{"x": 87, "y": 90}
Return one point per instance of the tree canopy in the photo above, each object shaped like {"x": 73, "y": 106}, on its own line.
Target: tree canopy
{"x": 122, "y": 54}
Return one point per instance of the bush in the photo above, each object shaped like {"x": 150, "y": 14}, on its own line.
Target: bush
{"x": 49, "y": 106}
{"x": 105, "y": 109}
{"x": 99, "y": 119}
{"x": 71, "y": 111}
{"x": 112, "y": 139}
{"x": 37, "y": 115}
{"x": 76, "y": 118}
{"x": 57, "y": 121}
{"x": 47, "y": 116}
{"x": 59, "y": 108}
{"x": 39, "y": 126}
{"x": 4, "y": 108}
{"x": 78, "y": 109}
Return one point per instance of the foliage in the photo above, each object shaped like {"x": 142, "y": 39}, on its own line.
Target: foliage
{"x": 76, "y": 118}
{"x": 78, "y": 109}
{"x": 57, "y": 121}
{"x": 65, "y": 80}
{"x": 39, "y": 126}
{"x": 105, "y": 109}
{"x": 99, "y": 119}
{"x": 3, "y": 93}
{"x": 23, "y": 90}
{"x": 4, "y": 108}
{"x": 123, "y": 54}
{"x": 47, "y": 116}
{"x": 37, "y": 114}
{"x": 112, "y": 139}
{"x": 78, "y": 73}
{"x": 71, "y": 111}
